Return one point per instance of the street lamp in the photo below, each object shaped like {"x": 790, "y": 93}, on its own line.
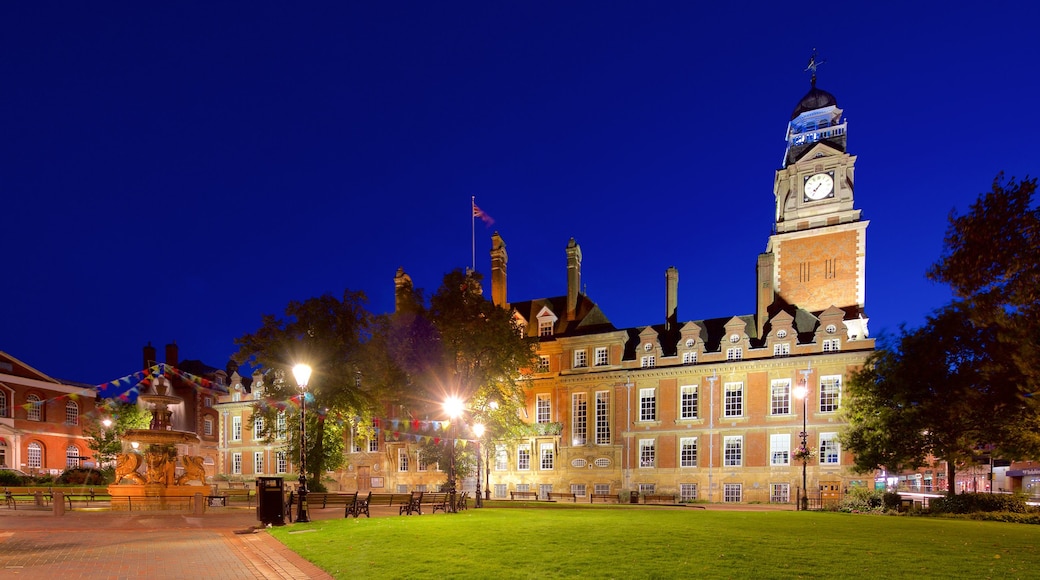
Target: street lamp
{"x": 302, "y": 374}
{"x": 802, "y": 392}
{"x": 493, "y": 406}
{"x": 453, "y": 407}
{"x": 478, "y": 430}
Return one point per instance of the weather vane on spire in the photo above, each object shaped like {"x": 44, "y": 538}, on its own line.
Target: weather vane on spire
{"x": 814, "y": 63}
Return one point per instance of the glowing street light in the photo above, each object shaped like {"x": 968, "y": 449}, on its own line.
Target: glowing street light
{"x": 302, "y": 373}
{"x": 802, "y": 392}
{"x": 478, "y": 430}
{"x": 453, "y": 407}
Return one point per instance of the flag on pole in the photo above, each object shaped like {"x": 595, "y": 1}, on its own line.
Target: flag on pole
{"x": 479, "y": 213}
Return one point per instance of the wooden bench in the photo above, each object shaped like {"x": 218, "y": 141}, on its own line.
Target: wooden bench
{"x": 462, "y": 501}
{"x": 26, "y": 495}
{"x": 531, "y": 495}
{"x": 553, "y": 496}
{"x": 605, "y": 497}
{"x": 237, "y": 494}
{"x": 83, "y": 495}
{"x": 439, "y": 501}
{"x": 348, "y": 500}
{"x": 658, "y": 498}
{"x": 401, "y": 500}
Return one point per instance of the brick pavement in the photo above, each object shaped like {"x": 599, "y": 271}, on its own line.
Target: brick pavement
{"x": 117, "y": 545}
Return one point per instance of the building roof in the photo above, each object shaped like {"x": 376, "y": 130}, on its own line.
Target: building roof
{"x": 814, "y": 99}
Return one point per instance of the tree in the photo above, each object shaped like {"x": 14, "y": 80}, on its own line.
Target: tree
{"x": 923, "y": 396}
{"x": 990, "y": 260}
{"x": 107, "y": 442}
{"x": 461, "y": 345}
{"x": 326, "y": 333}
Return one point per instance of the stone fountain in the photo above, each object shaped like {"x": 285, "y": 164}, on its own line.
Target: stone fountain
{"x": 155, "y": 486}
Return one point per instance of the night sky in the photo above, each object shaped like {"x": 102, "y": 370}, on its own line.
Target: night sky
{"x": 173, "y": 171}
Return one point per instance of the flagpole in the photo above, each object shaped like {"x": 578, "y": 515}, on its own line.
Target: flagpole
{"x": 473, "y": 231}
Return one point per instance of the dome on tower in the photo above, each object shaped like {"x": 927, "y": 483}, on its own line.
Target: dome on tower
{"x": 814, "y": 99}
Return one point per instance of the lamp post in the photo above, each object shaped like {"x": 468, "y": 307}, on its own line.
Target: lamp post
{"x": 453, "y": 407}
{"x": 478, "y": 430}
{"x": 302, "y": 374}
{"x": 802, "y": 392}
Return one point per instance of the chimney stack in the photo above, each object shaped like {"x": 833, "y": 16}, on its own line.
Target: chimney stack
{"x": 402, "y": 291}
{"x": 671, "y": 298}
{"x": 149, "y": 356}
{"x": 573, "y": 278}
{"x": 171, "y": 354}
{"x": 498, "y": 270}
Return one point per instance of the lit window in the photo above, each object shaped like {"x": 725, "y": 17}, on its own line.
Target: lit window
{"x": 780, "y": 397}
{"x": 581, "y": 359}
{"x": 579, "y": 419}
{"x": 602, "y": 417}
{"x": 735, "y": 353}
{"x": 71, "y": 413}
{"x": 734, "y": 399}
{"x": 601, "y": 357}
{"x": 523, "y": 457}
{"x": 830, "y": 393}
{"x": 546, "y": 454}
{"x": 647, "y": 404}
{"x": 779, "y": 449}
{"x": 71, "y": 456}
{"x": 543, "y": 409}
{"x": 733, "y": 451}
{"x": 688, "y": 402}
{"x": 545, "y": 327}
{"x": 688, "y": 452}
{"x": 830, "y": 449}
{"x": 35, "y": 411}
{"x": 543, "y": 364}
{"x": 647, "y": 452}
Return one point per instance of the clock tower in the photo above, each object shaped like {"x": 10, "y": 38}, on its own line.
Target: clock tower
{"x": 816, "y": 257}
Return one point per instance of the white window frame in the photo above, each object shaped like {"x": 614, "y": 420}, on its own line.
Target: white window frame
{"x": 782, "y": 349}
{"x": 207, "y": 426}
{"x": 373, "y": 445}
{"x": 780, "y": 397}
{"x": 601, "y": 356}
{"x": 581, "y": 359}
{"x": 779, "y": 449}
{"x": 523, "y": 457}
{"x": 648, "y": 404}
{"x": 543, "y": 408}
{"x": 402, "y": 460}
{"x": 258, "y": 462}
{"x": 689, "y": 357}
{"x": 732, "y": 492}
{"x": 687, "y": 492}
{"x": 831, "y": 344}
{"x": 647, "y": 453}
{"x": 602, "y": 417}
{"x": 281, "y": 462}
{"x": 34, "y": 459}
{"x": 236, "y": 429}
{"x": 545, "y": 326}
{"x": 830, "y": 449}
{"x": 71, "y": 413}
{"x": 579, "y": 419}
{"x": 501, "y": 457}
{"x": 687, "y": 452}
{"x": 780, "y": 493}
{"x": 734, "y": 353}
{"x": 35, "y": 410}
{"x": 281, "y": 425}
{"x": 543, "y": 364}
{"x": 546, "y": 457}
{"x": 648, "y": 362}
{"x": 733, "y": 451}
{"x": 733, "y": 399}
{"x": 258, "y": 427}
{"x": 830, "y": 393}
{"x": 71, "y": 457}
{"x": 236, "y": 463}
{"x": 688, "y": 402}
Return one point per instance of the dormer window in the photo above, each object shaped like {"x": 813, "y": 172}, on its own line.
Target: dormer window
{"x": 734, "y": 338}
{"x": 689, "y": 343}
{"x": 781, "y": 333}
{"x": 545, "y": 328}
{"x": 648, "y": 347}
{"x": 831, "y": 329}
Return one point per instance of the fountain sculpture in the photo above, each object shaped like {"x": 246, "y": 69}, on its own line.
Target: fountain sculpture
{"x": 155, "y": 487}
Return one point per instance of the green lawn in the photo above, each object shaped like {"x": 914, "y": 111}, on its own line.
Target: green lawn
{"x": 651, "y": 543}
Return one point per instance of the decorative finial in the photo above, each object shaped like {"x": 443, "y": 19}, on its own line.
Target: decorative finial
{"x": 814, "y": 63}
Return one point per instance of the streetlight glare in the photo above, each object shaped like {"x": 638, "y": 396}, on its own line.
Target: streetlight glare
{"x": 453, "y": 406}
{"x": 107, "y": 423}
{"x": 478, "y": 430}
{"x": 302, "y": 373}
{"x": 801, "y": 391}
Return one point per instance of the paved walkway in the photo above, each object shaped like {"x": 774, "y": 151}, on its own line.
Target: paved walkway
{"x": 220, "y": 545}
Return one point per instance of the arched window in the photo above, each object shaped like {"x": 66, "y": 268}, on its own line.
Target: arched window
{"x": 35, "y": 455}
{"x": 71, "y": 413}
{"x": 71, "y": 456}
{"x": 35, "y": 408}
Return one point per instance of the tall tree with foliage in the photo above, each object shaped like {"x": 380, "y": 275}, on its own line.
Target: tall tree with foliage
{"x": 460, "y": 345}
{"x": 922, "y": 396}
{"x": 992, "y": 262}
{"x": 328, "y": 334}
{"x": 107, "y": 442}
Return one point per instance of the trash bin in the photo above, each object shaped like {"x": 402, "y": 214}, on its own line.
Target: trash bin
{"x": 270, "y": 498}
{"x": 633, "y": 497}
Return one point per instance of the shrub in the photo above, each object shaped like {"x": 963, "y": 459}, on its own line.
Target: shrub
{"x": 11, "y": 478}
{"x": 967, "y": 503}
{"x": 862, "y": 499}
{"x": 891, "y": 500}
{"x": 81, "y": 476}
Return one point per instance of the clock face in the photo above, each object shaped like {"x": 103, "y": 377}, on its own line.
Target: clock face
{"x": 818, "y": 186}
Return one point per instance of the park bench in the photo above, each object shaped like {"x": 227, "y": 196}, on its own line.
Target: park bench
{"x": 658, "y": 498}
{"x": 555, "y": 495}
{"x": 438, "y": 501}
{"x": 321, "y": 500}
{"x": 532, "y": 495}
{"x": 605, "y": 497}
{"x": 239, "y": 494}
{"x": 400, "y": 500}
{"x": 26, "y": 495}
{"x": 462, "y": 501}
{"x": 83, "y": 495}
